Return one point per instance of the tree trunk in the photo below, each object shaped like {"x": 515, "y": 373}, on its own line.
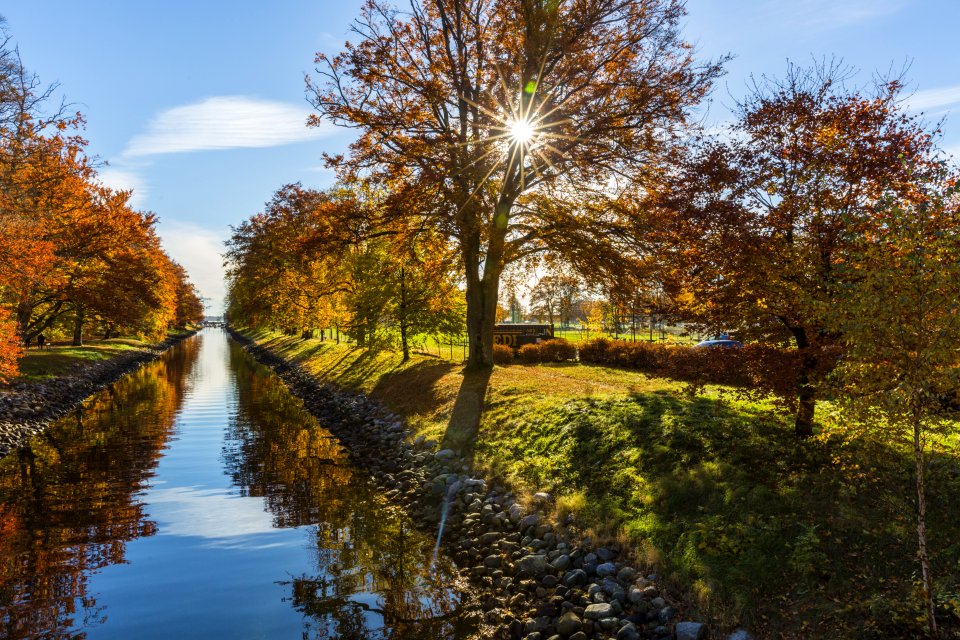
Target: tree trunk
{"x": 922, "y": 528}
{"x": 806, "y": 393}
{"x": 403, "y": 315}
{"x": 78, "y": 328}
{"x": 483, "y": 292}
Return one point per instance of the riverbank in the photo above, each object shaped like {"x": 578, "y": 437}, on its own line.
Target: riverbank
{"x": 746, "y": 525}
{"x": 535, "y": 583}
{"x": 58, "y": 380}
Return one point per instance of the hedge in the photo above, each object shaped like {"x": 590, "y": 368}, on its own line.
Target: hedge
{"x": 765, "y": 368}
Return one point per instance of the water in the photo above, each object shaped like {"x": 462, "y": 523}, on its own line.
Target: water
{"x": 196, "y": 499}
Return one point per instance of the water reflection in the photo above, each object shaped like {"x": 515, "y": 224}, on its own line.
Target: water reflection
{"x": 196, "y": 498}
{"x": 69, "y": 502}
{"x": 371, "y": 577}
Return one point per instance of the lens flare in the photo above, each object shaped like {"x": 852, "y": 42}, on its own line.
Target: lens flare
{"x": 521, "y": 131}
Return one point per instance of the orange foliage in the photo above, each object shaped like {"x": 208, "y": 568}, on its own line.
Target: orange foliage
{"x": 10, "y": 348}
{"x": 73, "y": 253}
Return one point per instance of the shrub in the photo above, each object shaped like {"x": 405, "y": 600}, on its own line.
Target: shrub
{"x": 595, "y": 351}
{"x": 758, "y": 367}
{"x": 555, "y": 350}
{"x": 502, "y": 354}
{"x": 529, "y": 353}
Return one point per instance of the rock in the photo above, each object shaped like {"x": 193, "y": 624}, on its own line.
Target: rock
{"x": 445, "y": 454}
{"x": 613, "y": 589}
{"x": 531, "y": 520}
{"x": 628, "y": 632}
{"x": 514, "y": 513}
{"x": 609, "y": 624}
{"x": 605, "y": 554}
{"x": 598, "y": 611}
{"x": 606, "y": 569}
{"x": 658, "y": 603}
{"x": 666, "y": 615}
{"x": 626, "y": 575}
{"x": 575, "y": 578}
{"x": 568, "y": 624}
{"x": 635, "y": 596}
{"x": 740, "y": 634}
{"x": 535, "y": 565}
{"x": 542, "y": 498}
{"x": 561, "y": 562}
{"x": 689, "y": 630}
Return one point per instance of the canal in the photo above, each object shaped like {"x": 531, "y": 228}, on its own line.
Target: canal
{"x": 196, "y": 498}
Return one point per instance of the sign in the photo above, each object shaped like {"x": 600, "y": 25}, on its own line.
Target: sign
{"x": 517, "y": 335}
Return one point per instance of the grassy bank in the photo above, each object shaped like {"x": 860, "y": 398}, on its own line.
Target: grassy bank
{"x": 798, "y": 540}
{"x": 61, "y": 358}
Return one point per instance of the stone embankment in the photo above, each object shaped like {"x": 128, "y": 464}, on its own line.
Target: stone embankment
{"x": 533, "y": 584}
{"x": 27, "y": 408}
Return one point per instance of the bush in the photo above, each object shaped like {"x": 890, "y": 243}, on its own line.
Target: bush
{"x": 769, "y": 369}
{"x": 555, "y": 350}
{"x": 502, "y": 354}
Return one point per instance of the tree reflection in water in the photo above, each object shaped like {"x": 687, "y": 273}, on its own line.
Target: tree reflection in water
{"x": 69, "y": 500}
{"x": 372, "y": 568}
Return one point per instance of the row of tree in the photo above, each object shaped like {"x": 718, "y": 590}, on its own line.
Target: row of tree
{"x": 323, "y": 260}
{"x": 75, "y": 256}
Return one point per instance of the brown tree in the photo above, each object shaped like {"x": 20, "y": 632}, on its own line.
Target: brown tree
{"x": 756, "y": 225}
{"x": 499, "y": 118}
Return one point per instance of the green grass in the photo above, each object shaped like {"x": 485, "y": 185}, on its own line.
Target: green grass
{"x": 749, "y": 525}
{"x": 57, "y": 360}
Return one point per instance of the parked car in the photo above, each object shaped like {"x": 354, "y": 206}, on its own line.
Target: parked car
{"x": 725, "y": 343}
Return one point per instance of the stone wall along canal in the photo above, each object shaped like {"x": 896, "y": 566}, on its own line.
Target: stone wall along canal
{"x": 195, "y": 498}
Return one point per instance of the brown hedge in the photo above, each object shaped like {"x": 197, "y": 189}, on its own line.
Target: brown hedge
{"x": 757, "y": 367}
{"x": 555, "y": 350}
{"x": 502, "y": 354}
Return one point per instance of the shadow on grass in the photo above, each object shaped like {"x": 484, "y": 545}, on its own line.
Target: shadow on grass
{"x": 793, "y": 538}
{"x": 464, "y": 425}
{"x": 414, "y": 389}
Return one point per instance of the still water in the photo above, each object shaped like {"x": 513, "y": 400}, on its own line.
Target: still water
{"x": 196, "y": 499}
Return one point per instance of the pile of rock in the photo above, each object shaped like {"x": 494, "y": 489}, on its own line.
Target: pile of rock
{"x": 533, "y": 584}
{"x": 27, "y": 408}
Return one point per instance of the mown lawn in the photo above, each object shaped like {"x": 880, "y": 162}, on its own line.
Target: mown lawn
{"x": 747, "y": 524}
{"x": 37, "y": 365}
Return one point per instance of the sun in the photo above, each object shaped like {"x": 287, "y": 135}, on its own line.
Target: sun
{"x": 521, "y": 131}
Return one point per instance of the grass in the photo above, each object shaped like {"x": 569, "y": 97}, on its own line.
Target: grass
{"x": 748, "y": 525}
{"x": 37, "y": 366}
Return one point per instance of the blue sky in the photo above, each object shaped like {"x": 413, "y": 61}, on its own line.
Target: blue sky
{"x": 199, "y": 106}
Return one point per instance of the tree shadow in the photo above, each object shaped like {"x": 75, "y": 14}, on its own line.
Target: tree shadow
{"x": 742, "y": 516}
{"x": 413, "y": 390}
{"x": 464, "y": 424}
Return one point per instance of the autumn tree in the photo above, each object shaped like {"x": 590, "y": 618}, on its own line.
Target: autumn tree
{"x": 553, "y": 296}
{"x": 756, "y": 224}
{"x": 502, "y": 117}
{"x": 71, "y": 249}
{"x": 316, "y": 259}
{"x": 900, "y": 321}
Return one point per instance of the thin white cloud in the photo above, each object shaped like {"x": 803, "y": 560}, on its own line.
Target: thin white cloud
{"x": 934, "y": 98}
{"x": 198, "y": 250}
{"x": 225, "y": 122}
{"x": 207, "y": 513}
{"x": 825, "y": 15}
{"x": 123, "y": 179}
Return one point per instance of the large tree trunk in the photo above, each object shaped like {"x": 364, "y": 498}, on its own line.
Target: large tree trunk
{"x": 78, "y": 328}
{"x": 922, "y": 554}
{"x": 483, "y": 292}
